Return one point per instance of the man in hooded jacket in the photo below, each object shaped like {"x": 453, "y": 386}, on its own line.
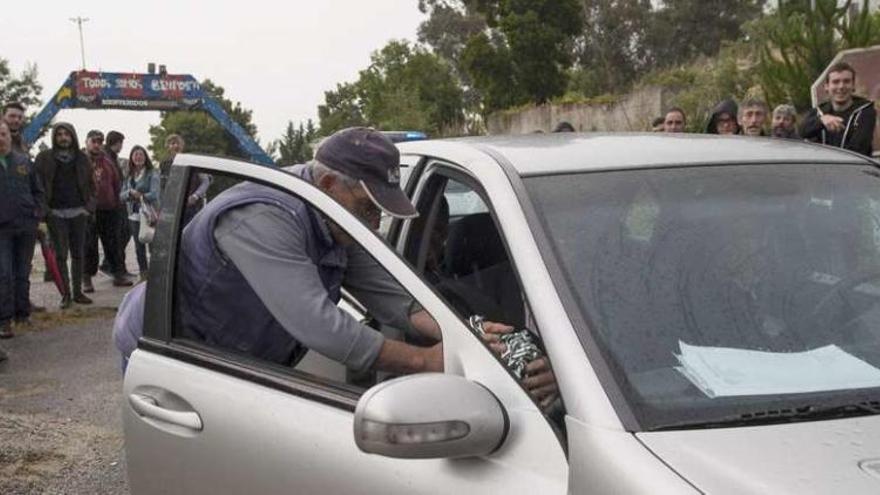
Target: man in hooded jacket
{"x": 65, "y": 173}
{"x": 723, "y": 119}
{"x": 845, "y": 120}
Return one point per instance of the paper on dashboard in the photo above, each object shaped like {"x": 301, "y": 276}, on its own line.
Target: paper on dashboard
{"x": 726, "y": 372}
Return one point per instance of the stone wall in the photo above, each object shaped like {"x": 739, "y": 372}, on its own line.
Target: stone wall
{"x": 633, "y": 112}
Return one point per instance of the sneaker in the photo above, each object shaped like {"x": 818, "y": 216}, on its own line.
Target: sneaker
{"x": 82, "y": 299}
{"x": 88, "y": 288}
{"x": 122, "y": 281}
{"x": 5, "y": 331}
{"x": 66, "y": 302}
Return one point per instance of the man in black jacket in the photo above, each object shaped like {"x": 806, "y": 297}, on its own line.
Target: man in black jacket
{"x": 66, "y": 175}
{"x": 21, "y": 206}
{"x": 845, "y": 121}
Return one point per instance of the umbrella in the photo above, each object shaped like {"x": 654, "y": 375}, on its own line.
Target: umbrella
{"x": 51, "y": 262}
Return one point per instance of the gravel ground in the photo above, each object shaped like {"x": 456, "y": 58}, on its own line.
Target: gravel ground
{"x": 60, "y": 400}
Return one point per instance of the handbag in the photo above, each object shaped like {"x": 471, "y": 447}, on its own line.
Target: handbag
{"x": 147, "y": 218}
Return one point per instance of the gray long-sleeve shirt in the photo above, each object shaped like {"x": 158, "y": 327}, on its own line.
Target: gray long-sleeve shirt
{"x": 268, "y": 249}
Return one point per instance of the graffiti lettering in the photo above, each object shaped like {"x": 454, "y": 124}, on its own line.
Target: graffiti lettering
{"x": 173, "y": 85}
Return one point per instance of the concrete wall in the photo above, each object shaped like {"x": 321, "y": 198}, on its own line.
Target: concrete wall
{"x": 633, "y": 112}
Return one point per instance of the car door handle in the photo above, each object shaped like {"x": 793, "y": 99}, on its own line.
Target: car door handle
{"x": 147, "y": 406}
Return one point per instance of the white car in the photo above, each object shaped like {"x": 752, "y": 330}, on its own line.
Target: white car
{"x": 710, "y": 307}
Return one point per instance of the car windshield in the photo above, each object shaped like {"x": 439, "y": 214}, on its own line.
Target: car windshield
{"x": 723, "y": 292}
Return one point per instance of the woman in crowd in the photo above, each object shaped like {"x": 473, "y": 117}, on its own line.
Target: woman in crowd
{"x": 141, "y": 188}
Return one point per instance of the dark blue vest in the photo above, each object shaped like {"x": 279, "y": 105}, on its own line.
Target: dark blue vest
{"x": 216, "y": 305}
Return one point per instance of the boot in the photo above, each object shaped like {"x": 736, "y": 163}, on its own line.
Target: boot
{"x": 82, "y": 299}
{"x": 87, "y": 286}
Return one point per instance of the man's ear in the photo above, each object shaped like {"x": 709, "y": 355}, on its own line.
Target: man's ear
{"x": 326, "y": 182}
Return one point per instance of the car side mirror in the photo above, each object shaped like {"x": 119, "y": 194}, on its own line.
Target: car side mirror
{"x": 429, "y": 416}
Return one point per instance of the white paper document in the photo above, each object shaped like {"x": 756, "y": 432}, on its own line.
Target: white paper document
{"x": 726, "y": 372}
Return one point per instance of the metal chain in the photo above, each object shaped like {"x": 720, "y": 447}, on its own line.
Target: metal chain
{"x": 520, "y": 348}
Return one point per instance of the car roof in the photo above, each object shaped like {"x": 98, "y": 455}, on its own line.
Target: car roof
{"x": 534, "y": 154}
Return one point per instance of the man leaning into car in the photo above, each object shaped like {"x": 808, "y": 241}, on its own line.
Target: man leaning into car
{"x": 261, "y": 271}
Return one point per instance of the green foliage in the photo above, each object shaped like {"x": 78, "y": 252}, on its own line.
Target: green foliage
{"x": 685, "y": 29}
{"x": 404, "y": 87}
{"x": 200, "y": 131}
{"x": 529, "y": 48}
{"x": 342, "y": 108}
{"x": 23, "y": 87}
{"x": 795, "y": 43}
{"x": 613, "y": 49}
{"x": 491, "y": 69}
{"x": 295, "y": 144}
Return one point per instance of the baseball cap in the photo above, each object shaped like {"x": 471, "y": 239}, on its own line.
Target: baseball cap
{"x": 370, "y": 157}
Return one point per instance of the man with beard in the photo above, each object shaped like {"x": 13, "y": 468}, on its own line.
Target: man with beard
{"x": 783, "y": 123}
{"x": 13, "y": 115}
{"x": 845, "y": 121}
{"x": 103, "y": 223}
{"x": 753, "y": 118}
{"x": 68, "y": 181}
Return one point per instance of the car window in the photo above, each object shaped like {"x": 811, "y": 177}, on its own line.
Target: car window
{"x": 457, "y": 246}
{"x": 248, "y": 287}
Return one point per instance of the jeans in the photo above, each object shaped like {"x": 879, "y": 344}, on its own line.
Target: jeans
{"x": 16, "y": 253}
{"x": 140, "y": 248}
{"x": 68, "y": 237}
{"x": 104, "y": 227}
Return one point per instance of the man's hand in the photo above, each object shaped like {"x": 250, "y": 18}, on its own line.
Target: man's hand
{"x": 493, "y": 332}
{"x": 541, "y": 382}
{"x": 192, "y": 200}
{"x": 832, "y": 122}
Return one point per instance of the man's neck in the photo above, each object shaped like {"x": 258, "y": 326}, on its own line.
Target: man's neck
{"x": 840, "y": 107}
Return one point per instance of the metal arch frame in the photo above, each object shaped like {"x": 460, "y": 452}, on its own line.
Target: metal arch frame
{"x": 131, "y": 91}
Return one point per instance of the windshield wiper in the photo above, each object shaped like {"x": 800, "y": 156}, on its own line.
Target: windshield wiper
{"x": 776, "y": 416}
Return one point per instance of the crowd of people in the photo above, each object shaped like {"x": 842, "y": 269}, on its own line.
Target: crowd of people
{"x": 845, "y": 120}
{"x": 71, "y": 199}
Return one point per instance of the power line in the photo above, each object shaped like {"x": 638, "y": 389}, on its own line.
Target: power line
{"x": 82, "y": 47}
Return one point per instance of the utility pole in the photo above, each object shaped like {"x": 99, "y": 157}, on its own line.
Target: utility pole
{"x": 82, "y": 48}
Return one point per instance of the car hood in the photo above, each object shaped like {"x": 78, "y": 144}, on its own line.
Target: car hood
{"x": 834, "y": 456}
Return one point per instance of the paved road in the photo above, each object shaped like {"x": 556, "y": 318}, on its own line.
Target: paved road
{"x": 60, "y": 400}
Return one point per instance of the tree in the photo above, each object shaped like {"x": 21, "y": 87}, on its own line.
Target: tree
{"x": 796, "y": 42}
{"x": 23, "y": 88}
{"x": 612, "y": 51}
{"x": 530, "y": 45}
{"x": 200, "y": 131}
{"x": 295, "y": 144}
{"x": 404, "y": 87}
{"x": 341, "y": 109}
{"x": 684, "y": 29}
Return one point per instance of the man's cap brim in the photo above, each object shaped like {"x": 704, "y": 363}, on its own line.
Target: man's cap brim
{"x": 391, "y": 200}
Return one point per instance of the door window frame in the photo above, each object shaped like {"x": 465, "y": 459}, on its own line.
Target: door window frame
{"x": 159, "y": 321}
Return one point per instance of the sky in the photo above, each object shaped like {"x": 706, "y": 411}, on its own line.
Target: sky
{"x": 275, "y": 57}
